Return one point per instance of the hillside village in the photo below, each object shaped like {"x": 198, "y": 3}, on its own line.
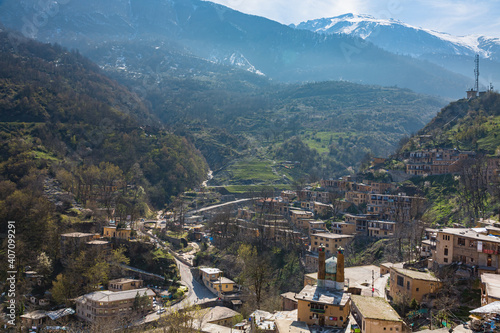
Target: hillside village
{"x": 438, "y": 275}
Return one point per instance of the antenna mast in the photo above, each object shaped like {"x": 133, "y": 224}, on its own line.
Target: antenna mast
{"x": 476, "y": 72}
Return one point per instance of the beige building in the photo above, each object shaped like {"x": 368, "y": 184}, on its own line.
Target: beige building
{"x": 361, "y": 222}
{"x": 469, "y": 247}
{"x": 356, "y": 197}
{"x": 392, "y": 207}
{"x": 217, "y": 315}
{"x": 297, "y": 216}
{"x": 344, "y": 228}
{"x": 490, "y": 288}
{"x": 408, "y": 284}
{"x": 106, "y": 305}
{"x": 331, "y": 242}
{"x": 436, "y": 161}
{"x": 381, "y": 229}
{"x": 375, "y": 315}
{"x": 124, "y": 284}
{"x": 321, "y": 209}
{"x": 35, "y": 318}
{"x": 288, "y": 301}
{"x": 74, "y": 242}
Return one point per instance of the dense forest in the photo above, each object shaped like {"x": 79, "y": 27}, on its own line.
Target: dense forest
{"x": 74, "y": 144}
{"x": 58, "y": 107}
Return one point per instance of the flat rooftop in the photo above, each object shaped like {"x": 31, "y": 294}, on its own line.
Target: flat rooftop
{"x": 323, "y": 295}
{"x": 223, "y": 280}
{"x": 375, "y": 308}
{"x": 417, "y": 275}
{"x": 492, "y": 282}
{"x": 78, "y": 234}
{"x": 469, "y": 233}
{"x": 210, "y": 270}
{"x": 332, "y": 236}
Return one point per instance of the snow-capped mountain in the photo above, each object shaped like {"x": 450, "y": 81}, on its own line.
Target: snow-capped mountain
{"x": 401, "y": 38}
{"x": 219, "y": 35}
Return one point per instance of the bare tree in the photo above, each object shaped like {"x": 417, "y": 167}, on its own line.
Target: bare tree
{"x": 473, "y": 188}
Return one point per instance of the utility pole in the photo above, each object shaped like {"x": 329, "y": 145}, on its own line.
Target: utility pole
{"x": 373, "y": 280}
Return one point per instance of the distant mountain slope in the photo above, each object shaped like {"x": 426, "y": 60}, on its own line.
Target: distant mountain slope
{"x": 57, "y": 107}
{"x": 399, "y": 37}
{"x": 451, "y": 52}
{"x": 465, "y": 124}
{"x": 222, "y": 35}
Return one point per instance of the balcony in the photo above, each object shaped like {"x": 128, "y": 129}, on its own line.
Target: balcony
{"x": 318, "y": 310}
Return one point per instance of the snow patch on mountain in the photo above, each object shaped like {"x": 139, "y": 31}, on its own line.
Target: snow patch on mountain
{"x": 380, "y": 31}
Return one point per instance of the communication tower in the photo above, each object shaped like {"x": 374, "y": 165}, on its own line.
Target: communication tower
{"x": 476, "y": 72}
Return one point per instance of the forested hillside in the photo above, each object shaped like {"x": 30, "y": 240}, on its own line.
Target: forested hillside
{"x": 60, "y": 116}
{"x": 232, "y": 114}
{"x": 465, "y": 125}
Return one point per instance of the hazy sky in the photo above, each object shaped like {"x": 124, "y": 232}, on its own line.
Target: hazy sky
{"x": 457, "y": 17}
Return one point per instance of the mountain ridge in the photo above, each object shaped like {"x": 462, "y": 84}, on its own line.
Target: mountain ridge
{"x": 215, "y": 33}
{"x": 453, "y": 53}
{"x": 364, "y": 26}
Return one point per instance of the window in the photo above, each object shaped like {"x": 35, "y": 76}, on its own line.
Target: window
{"x": 461, "y": 241}
{"x": 446, "y": 251}
{"x": 445, "y": 260}
{"x": 400, "y": 281}
{"x": 472, "y": 243}
{"x": 446, "y": 237}
{"x": 408, "y": 285}
{"x": 416, "y": 289}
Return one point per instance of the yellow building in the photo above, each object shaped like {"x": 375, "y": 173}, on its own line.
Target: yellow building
{"x": 113, "y": 232}
{"x": 326, "y": 303}
{"x": 212, "y": 278}
{"x": 375, "y": 315}
{"x": 322, "y": 306}
{"x": 408, "y": 284}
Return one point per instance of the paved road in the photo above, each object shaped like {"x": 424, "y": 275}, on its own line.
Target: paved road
{"x": 197, "y": 293}
{"x": 201, "y": 210}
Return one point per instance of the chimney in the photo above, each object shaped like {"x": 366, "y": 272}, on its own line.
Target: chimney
{"x": 339, "y": 281}
{"x": 321, "y": 266}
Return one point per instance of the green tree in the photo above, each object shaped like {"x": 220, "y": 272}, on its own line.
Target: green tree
{"x": 256, "y": 271}
{"x": 62, "y": 289}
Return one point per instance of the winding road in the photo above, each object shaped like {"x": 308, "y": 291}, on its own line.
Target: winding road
{"x": 197, "y": 293}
